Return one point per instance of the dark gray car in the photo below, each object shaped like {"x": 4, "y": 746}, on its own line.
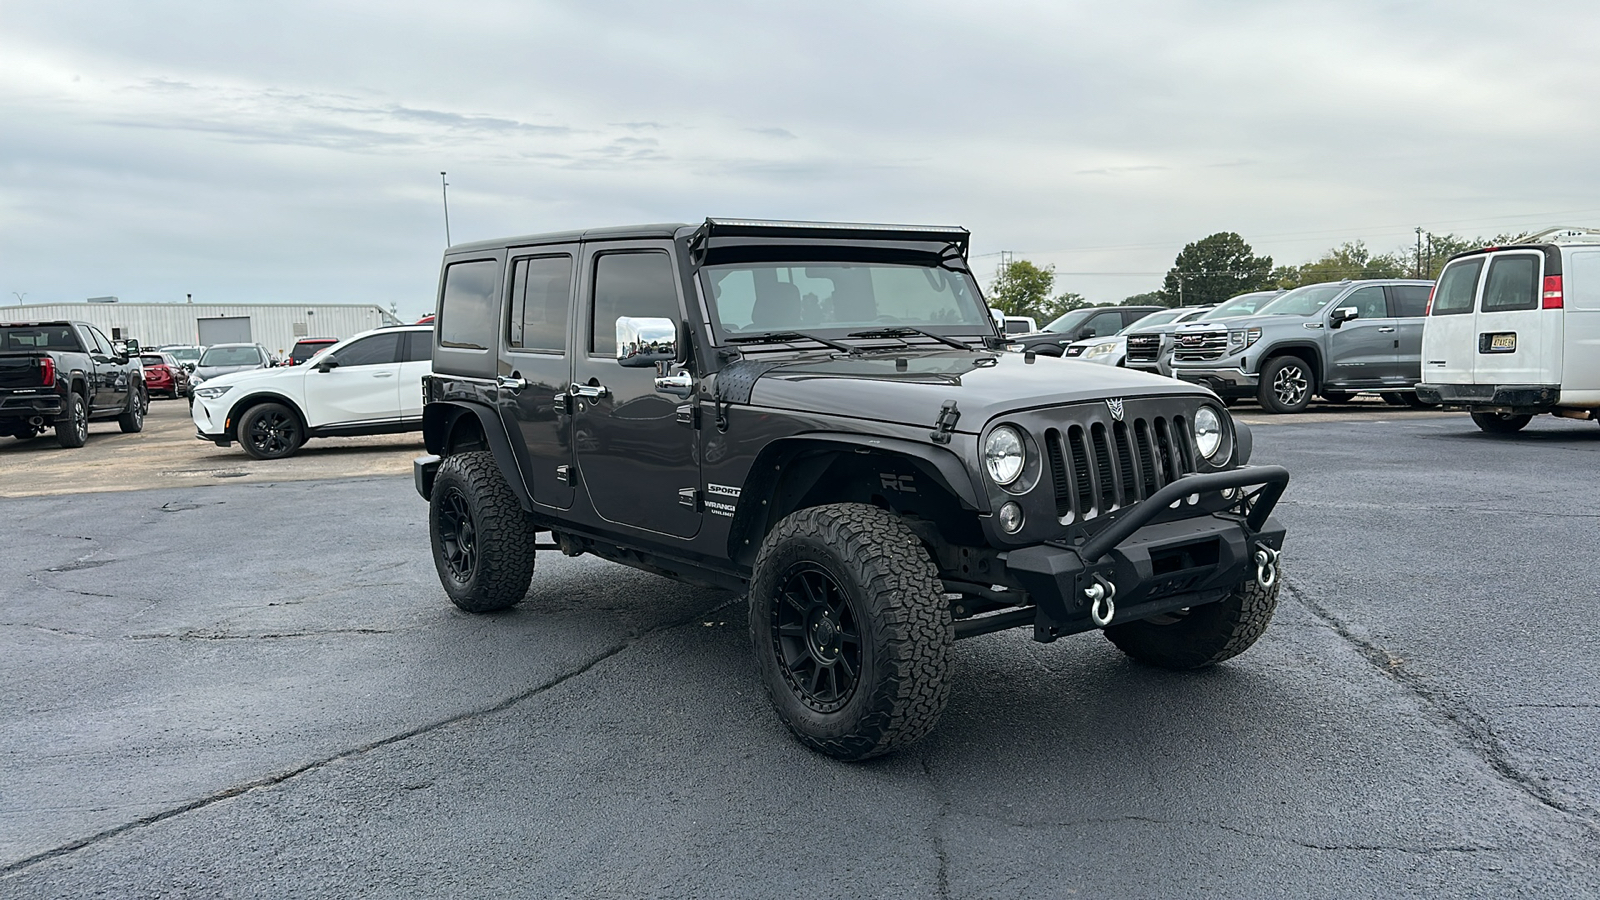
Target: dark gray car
{"x": 220, "y": 359}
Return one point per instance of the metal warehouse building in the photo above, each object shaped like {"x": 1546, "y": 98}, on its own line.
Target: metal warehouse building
{"x": 275, "y": 326}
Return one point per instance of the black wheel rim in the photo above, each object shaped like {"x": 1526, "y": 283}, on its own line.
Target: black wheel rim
{"x": 817, "y": 638}
{"x": 273, "y": 432}
{"x": 80, "y": 420}
{"x": 458, "y": 537}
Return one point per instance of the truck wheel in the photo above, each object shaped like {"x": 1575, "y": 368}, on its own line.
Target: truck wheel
{"x": 270, "y": 431}
{"x": 482, "y": 540}
{"x": 1500, "y": 423}
{"x": 72, "y": 429}
{"x": 1201, "y": 636}
{"x": 851, "y": 631}
{"x": 132, "y": 419}
{"x": 1286, "y": 385}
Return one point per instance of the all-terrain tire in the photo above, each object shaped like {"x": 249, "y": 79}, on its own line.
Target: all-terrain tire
{"x": 72, "y": 428}
{"x": 1201, "y": 636}
{"x": 1286, "y": 385}
{"x": 1500, "y": 423}
{"x": 270, "y": 431}
{"x": 482, "y": 539}
{"x": 886, "y": 588}
{"x": 132, "y": 419}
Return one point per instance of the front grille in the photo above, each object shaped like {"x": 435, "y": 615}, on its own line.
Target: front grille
{"x": 1144, "y": 347}
{"x": 1201, "y": 345}
{"x": 1099, "y": 464}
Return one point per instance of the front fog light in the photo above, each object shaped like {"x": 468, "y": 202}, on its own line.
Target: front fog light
{"x": 1207, "y": 431}
{"x": 1003, "y": 455}
{"x": 1011, "y": 518}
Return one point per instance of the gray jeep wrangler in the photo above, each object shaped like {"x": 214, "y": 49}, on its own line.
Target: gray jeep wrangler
{"x": 821, "y": 416}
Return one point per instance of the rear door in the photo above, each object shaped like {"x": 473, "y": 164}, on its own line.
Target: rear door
{"x": 1580, "y": 375}
{"x": 535, "y": 370}
{"x": 1408, "y": 305}
{"x": 1449, "y": 337}
{"x": 1511, "y": 327}
{"x": 364, "y": 386}
{"x": 416, "y": 361}
{"x": 1362, "y": 350}
{"x": 110, "y": 377}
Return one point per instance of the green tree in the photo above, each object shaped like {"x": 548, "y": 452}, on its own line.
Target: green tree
{"x": 1023, "y": 289}
{"x": 1351, "y": 260}
{"x": 1148, "y": 298}
{"x": 1213, "y": 269}
{"x": 1054, "y": 308}
{"x": 1438, "y": 248}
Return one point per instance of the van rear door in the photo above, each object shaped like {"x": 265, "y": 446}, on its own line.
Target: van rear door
{"x": 1449, "y": 339}
{"x": 1515, "y": 336}
{"x": 1580, "y": 376}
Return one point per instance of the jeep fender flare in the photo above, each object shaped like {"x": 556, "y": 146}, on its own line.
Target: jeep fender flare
{"x": 441, "y": 420}
{"x": 752, "y": 520}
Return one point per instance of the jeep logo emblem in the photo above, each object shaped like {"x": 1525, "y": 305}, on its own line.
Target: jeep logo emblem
{"x": 1115, "y": 403}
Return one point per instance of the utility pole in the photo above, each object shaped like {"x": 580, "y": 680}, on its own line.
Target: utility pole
{"x": 444, "y": 188}
{"x": 1430, "y": 255}
{"x": 1417, "y": 270}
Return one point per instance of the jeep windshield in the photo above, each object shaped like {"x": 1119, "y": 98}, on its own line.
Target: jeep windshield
{"x": 836, "y": 299}
{"x": 1302, "y": 301}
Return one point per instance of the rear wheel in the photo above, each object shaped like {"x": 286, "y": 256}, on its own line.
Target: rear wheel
{"x": 72, "y": 426}
{"x": 270, "y": 431}
{"x": 1201, "y": 636}
{"x": 481, "y": 537}
{"x": 132, "y": 419}
{"x": 1500, "y": 423}
{"x": 1286, "y": 385}
{"x": 851, "y": 630}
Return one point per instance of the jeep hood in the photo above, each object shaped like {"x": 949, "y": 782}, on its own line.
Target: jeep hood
{"x": 910, "y": 388}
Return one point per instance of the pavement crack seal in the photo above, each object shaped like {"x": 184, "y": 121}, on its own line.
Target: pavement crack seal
{"x": 940, "y": 852}
{"x": 231, "y": 636}
{"x": 270, "y": 781}
{"x": 1476, "y": 733}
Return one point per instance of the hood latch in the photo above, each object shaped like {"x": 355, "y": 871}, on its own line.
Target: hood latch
{"x": 946, "y": 423}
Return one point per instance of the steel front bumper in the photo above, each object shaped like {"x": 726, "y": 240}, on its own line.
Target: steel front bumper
{"x": 1145, "y": 568}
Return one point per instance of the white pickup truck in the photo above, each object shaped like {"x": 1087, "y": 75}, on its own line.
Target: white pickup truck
{"x": 1514, "y": 332}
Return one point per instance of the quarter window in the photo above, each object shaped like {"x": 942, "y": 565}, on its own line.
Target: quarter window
{"x": 541, "y": 292}
{"x": 1456, "y": 287}
{"x": 467, "y": 314}
{"x": 1513, "y": 283}
{"x": 629, "y": 284}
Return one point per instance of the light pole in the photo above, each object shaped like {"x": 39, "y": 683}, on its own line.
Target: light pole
{"x": 444, "y": 188}
{"x": 20, "y": 297}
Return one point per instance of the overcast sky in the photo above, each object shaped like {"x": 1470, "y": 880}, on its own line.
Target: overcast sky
{"x": 290, "y": 151}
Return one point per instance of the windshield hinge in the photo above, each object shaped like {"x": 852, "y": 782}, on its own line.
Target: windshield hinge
{"x": 946, "y": 423}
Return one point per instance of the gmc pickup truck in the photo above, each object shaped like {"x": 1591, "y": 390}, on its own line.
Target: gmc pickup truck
{"x": 62, "y": 375}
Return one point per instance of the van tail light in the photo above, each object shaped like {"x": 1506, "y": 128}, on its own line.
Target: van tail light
{"x": 47, "y": 372}
{"x": 1431, "y": 291}
{"x": 1552, "y": 292}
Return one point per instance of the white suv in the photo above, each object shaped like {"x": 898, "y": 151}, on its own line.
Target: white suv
{"x": 369, "y": 384}
{"x": 1513, "y": 332}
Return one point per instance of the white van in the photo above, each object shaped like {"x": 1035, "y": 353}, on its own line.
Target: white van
{"x": 1514, "y": 332}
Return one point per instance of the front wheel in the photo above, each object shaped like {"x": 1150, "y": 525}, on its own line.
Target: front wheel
{"x": 1500, "y": 423}
{"x": 482, "y": 540}
{"x": 270, "y": 431}
{"x": 1201, "y": 636}
{"x": 1286, "y": 385}
{"x": 851, "y": 630}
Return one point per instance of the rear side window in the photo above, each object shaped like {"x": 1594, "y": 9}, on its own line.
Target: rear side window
{"x": 541, "y": 292}
{"x": 1581, "y": 285}
{"x": 418, "y": 347}
{"x": 629, "y": 284}
{"x": 1408, "y": 301}
{"x": 1456, "y": 287}
{"x": 1513, "y": 283}
{"x": 468, "y": 312}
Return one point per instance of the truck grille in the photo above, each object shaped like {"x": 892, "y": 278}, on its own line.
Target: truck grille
{"x": 1143, "y": 347}
{"x": 1201, "y": 345}
{"x": 1104, "y": 465}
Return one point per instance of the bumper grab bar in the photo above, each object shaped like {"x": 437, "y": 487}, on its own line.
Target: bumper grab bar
{"x": 1273, "y": 478}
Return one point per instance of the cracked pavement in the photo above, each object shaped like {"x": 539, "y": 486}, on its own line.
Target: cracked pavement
{"x": 258, "y": 689}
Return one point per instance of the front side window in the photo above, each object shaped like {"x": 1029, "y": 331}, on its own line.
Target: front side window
{"x": 1513, "y": 283}
{"x": 541, "y": 293}
{"x": 371, "y": 351}
{"x": 1456, "y": 287}
{"x": 1103, "y": 324}
{"x": 1369, "y": 303}
{"x": 629, "y": 284}
{"x": 468, "y": 311}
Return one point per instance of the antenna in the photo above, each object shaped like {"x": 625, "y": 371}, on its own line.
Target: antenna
{"x": 444, "y": 188}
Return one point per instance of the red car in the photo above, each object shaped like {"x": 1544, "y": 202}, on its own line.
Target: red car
{"x": 305, "y": 348}
{"x": 163, "y": 374}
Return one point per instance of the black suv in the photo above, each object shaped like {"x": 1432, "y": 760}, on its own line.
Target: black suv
{"x": 1080, "y": 325}
{"x": 822, "y": 416}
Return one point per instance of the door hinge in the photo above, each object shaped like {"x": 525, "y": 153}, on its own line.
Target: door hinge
{"x": 689, "y": 497}
{"x": 559, "y": 404}
{"x": 946, "y": 423}
{"x": 689, "y": 414}
{"x": 564, "y": 475}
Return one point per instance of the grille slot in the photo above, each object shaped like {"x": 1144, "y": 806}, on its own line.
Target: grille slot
{"x": 1083, "y": 487}
{"x": 1202, "y": 346}
{"x": 1058, "y": 475}
{"x": 1144, "y": 347}
{"x": 1102, "y": 464}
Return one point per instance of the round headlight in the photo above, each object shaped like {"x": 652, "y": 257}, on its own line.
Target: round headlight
{"x": 1003, "y": 455}
{"x": 1208, "y": 431}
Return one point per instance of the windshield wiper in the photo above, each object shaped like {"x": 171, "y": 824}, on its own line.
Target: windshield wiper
{"x": 900, "y": 331}
{"x": 779, "y": 336}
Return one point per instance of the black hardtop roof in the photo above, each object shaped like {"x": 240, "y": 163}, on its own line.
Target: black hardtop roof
{"x": 744, "y": 228}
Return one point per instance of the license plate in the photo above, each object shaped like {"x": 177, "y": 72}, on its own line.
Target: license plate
{"x": 1499, "y": 343}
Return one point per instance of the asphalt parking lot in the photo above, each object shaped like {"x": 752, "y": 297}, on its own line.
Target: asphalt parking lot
{"x": 252, "y": 685}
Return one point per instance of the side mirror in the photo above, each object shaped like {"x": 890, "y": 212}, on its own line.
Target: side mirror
{"x": 119, "y": 348}
{"x": 327, "y": 365}
{"x": 644, "y": 342}
{"x": 1344, "y": 314}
